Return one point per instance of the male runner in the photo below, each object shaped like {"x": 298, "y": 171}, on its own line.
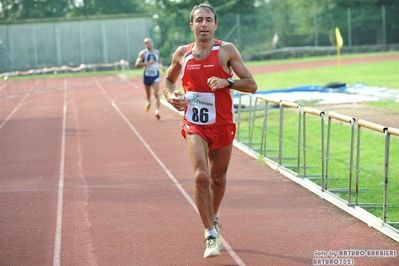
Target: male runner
{"x": 206, "y": 67}
{"x": 149, "y": 59}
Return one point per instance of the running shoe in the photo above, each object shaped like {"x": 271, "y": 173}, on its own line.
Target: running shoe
{"x": 217, "y": 227}
{"x": 147, "y": 106}
{"x": 213, "y": 247}
{"x": 158, "y": 116}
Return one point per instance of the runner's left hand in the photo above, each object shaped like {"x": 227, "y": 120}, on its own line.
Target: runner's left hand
{"x": 217, "y": 83}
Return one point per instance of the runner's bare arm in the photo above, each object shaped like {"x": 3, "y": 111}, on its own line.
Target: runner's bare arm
{"x": 140, "y": 60}
{"x": 169, "y": 84}
{"x": 230, "y": 57}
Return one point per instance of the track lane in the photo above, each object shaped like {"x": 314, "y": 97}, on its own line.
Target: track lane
{"x": 28, "y": 179}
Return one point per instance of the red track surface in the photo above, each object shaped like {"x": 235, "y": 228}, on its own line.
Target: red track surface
{"x": 123, "y": 176}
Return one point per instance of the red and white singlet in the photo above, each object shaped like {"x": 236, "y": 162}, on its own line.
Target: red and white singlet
{"x": 205, "y": 107}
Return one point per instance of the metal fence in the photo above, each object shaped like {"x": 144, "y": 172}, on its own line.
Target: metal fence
{"x": 48, "y": 44}
{"x": 325, "y": 154}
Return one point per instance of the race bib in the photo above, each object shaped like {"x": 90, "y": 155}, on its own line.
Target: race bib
{"x": 201, "y": 108}
{"x": 151, "y": 70}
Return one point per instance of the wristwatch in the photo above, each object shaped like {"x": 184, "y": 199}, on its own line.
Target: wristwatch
{"x": 231, "y": 82}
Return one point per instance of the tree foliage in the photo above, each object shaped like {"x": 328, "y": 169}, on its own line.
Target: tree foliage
{"x": 31, "y": 9}
{"x": 103, "y": 7}
{"x": 38, "y": 9}
{"x": 28, "y": 9}
{"x": 306, "y": 19}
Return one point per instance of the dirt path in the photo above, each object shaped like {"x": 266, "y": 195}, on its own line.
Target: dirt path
{"x": 365, "y": 112}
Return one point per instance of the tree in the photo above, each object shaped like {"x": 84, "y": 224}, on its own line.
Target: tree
{"x": 322, "y": 16}
{"x": 37, "y": 9}
{"x": 29, "y": 9}
{"x": 173, "y": 18}
{"x": 104, "y": 7}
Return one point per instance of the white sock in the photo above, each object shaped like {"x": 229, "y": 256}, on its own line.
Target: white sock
{"x": 216, "y": 217}
{"x": 157, "y": 111}
{"x": 211, "y": 232}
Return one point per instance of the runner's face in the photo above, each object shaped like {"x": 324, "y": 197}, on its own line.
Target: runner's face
{"x": 203, "y": 24}
{"x": 148, "y": 44}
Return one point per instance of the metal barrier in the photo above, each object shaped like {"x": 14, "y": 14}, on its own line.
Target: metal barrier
{"x": 382, "y": 225}
{"x": 239, "y": 117}
{"x": 263, "y": 146}
{"x": 388, "y": 132}
{"x": 375, "y": 127}
{"x": 351, "y": 121}
{"x": 321, "y": 114}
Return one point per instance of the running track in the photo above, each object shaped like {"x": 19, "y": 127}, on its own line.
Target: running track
{"x": 88, "y": 178}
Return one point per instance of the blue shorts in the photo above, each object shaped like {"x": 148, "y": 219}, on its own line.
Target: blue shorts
{"x": 148, "y": 81}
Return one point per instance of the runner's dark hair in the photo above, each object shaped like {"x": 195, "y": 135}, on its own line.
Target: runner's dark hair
{"x": 205, "y": 6}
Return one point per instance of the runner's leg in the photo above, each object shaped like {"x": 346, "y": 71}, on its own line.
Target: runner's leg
{"x": 148, "y": 92}
{"x": 148, "y": 95}
{"x": 219, "y": 162}
{"x": 155, "y": 86}
{"x": 198, "y": 152}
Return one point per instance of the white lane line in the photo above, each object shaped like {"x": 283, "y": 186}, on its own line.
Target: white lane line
{"x": 227, "y": 247}
{"x": 18, "y": 106}
{"x": 60, "y": 202}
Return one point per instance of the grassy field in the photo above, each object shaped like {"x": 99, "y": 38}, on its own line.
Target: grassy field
{"x": 317, "y": 58}
{"x": 379, "y": 74}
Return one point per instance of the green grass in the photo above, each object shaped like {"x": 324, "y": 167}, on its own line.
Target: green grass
{"x": 386, "y": 105}
{"x": 135, "y": 72}
{"x": 379, "y": 74}
{"x": 315, "y": 58}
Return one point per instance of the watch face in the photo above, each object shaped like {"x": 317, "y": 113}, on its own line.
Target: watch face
{"x": 231, "y": 82}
